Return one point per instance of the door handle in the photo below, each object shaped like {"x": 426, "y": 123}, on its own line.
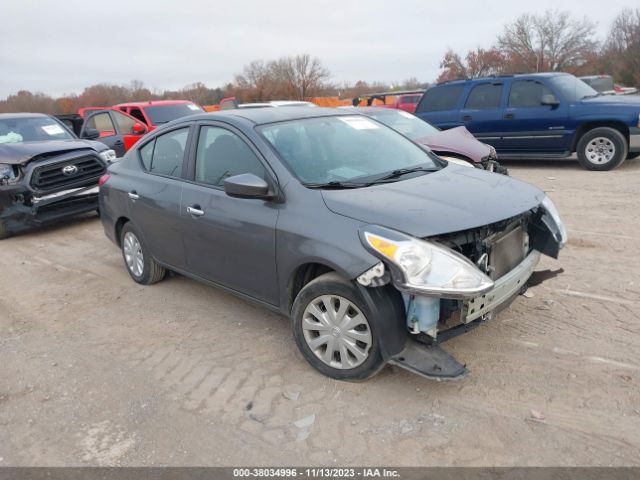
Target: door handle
{"x": 509, "y": 116}
{"x": 133, "y": 195}
{"x": 195, "y": 211}
{"x": 466, "y": 118}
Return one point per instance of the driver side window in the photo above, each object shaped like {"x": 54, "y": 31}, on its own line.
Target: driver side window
{"x": 222, "y": 154}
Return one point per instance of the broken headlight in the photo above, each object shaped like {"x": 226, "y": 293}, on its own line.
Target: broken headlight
{"x": 107, "y": 155}
{"x": 553, "y": 220}
{"x": 8, "y": 174}
{"x": 424, "y": 267}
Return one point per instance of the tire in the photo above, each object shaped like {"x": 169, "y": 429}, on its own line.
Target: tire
{"x": 3, "y": 231}
{"x": 356, "y": 353}
{"x": 633, "y": 155}
{"x": 137, "y": 258}
{"x": 602, "y": 148}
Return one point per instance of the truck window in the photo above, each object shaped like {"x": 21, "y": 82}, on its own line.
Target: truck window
{"x": 440, "y": 98}
{"x": 136, "y": 113}
{"x": 102, "y": 122}
{"x": 527, "y": 93}
{"x": 125, "y": 123}
{"x": 486, "y": 95}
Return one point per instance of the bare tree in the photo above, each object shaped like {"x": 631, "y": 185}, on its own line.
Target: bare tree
{"x": 621, "y": 54}
{"x": 550, "y": 41}
{"x": 477, "y": 63}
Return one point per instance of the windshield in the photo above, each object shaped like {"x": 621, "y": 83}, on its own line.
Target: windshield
{"x": 343, "y": 149}
{"x": 572, "y": 88}
{"x": 403, "y": 122}
{"x": 32, "y": 129}
{"x": 601, "y": 84}
{"x": 165, "y": 113}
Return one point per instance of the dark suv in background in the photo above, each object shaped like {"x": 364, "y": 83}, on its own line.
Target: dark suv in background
{"x": 546, "y": 115}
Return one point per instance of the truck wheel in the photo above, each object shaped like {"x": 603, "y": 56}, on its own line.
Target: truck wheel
{"x": 602, "y": 148}
{"x": 332, "y": 330}
{"x": 137, "y": 258}
{"x": 633, "y": 155}
{"x": 3, "y": 231}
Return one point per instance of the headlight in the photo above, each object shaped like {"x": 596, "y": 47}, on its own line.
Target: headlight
{"x": 560, "y": 231}
{"x": 424, "y": 267}
{"x": 8, "y": 174}
{"x": 458, "y": 161}
{"x": 108, "y": 155}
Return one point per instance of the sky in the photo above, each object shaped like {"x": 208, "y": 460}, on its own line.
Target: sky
{"x": 61, "y": 46}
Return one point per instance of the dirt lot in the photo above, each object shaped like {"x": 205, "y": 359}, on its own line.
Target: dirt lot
{"x": 97, "y": 370}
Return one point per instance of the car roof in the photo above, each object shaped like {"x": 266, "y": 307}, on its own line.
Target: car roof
{"x": 261, "y": 116}
{"x": 22, "y": 115}
{"x": 497, "y": 77}
{"x": 151, "y": 103}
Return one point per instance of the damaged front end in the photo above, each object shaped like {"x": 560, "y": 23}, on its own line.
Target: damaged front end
{"x": 450, "y": 283}
{"x": 47, "y": 188}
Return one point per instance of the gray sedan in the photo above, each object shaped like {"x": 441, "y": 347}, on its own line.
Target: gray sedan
{"x": 376, "y": 249}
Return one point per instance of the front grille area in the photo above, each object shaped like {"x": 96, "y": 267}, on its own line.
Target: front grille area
{"x": 61, "y": 175}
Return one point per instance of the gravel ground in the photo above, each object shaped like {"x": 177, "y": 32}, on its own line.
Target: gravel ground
{"x": 97, "y": 370}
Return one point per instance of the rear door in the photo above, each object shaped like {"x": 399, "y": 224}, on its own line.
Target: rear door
{"x": 154, "y": 198}
{"x": 482, "y": 111}
{"x": 530, "y": 126}
{"x": 106, "y": 127}
{"x": 230, "y": 241}
{"x": 440, "y": 105}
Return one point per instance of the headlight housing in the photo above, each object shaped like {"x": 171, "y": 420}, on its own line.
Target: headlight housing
{"x": 423, "y": 267}
{"x": 8, "y": 174}
{"x": 554, "y": 222}
{"x": 108, "y": 155}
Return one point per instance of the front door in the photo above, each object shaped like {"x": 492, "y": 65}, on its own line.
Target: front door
{"x": 230, "y": 241}
{"x": 109, "y": 135}
{"x": 530, "y": 126}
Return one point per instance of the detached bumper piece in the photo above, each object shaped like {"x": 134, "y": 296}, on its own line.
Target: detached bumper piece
{"x": 429, "y": 361}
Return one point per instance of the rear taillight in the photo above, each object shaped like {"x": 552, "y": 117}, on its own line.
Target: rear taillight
{"x": 103, "y": 179}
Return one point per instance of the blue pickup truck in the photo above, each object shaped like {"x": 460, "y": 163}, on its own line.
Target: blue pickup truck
{"x": 542, "y": 115}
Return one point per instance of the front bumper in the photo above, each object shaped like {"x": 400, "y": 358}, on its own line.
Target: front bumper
{"x": 20, "y": 211}
{"x": 504, "y": 290}
{"x": 634, "y": 140}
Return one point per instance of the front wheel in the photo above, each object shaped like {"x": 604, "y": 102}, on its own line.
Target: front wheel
{"x": 137, "y": 258}
{"x": 333, "y": 330}
{"x": 602, "y": 148}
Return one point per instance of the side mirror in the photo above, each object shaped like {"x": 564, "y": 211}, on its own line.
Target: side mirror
{"x": 139, "y": 129}
{"x": 90, "y": 134}
{"x": 246, "y": 185}
{"x": 549, "y": 100}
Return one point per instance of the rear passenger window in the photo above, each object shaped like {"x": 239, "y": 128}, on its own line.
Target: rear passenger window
{"x": 527, "y": 93}
{"x": 437, "y": 99}
{"x": 222, "y": 154}
{"x": 165, "y": 154}
{"x": 486, "y": 95}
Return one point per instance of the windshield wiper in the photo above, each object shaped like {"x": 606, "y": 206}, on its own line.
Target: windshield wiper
{"x": 401, "y": 172}
{"x": 336, "y": 185}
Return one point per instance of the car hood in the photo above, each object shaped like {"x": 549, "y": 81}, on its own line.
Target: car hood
{"x": 617, "y": 100}
{"x": 453, "y": 199}
{"x": 457, "y": 140}
{"x": 22, "y": 153}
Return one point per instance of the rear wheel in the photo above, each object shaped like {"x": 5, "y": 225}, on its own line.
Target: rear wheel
{"x": 3, "y": 231}
{"x": 602, "y": 148}
{"x": 137, "y": 258}
{"x": 332, "y": 328}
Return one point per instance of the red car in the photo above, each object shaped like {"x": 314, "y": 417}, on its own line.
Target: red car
{"x": 454, "y": 145}
{"x": 403, "y": 100}
{"x": 156, "y": 112}
{"x": 116, "y": 129}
